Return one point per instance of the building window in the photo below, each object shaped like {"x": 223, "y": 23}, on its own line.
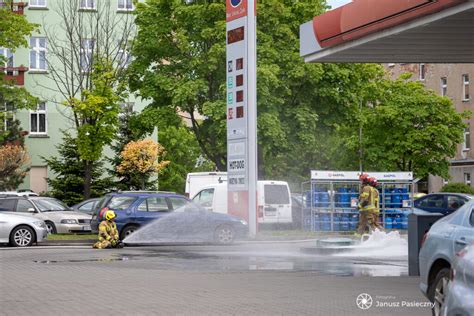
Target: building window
{"x": 467, "y": 178}
{"x": 7, "y": 116}
{"x": 125, "y": 5}
{"x": 467, "y": 139}
{"x": 87, "y": 50}
{"x": 7, "y": 57}
{"x": 38, "y": 123}
{"x": 37, "y": 3}
{"x": 38, "y": 53}
{"x": 87, "y": 4}
{"x": 444, "y": 86}
{"x": 465, "y": 87}
{"x": 422, "y": 71}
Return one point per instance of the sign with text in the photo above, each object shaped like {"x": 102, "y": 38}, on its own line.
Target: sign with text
{"x": 354, "y": 175}
{"x": 241, "y": 110}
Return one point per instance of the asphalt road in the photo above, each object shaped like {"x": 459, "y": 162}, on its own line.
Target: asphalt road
{"x": 250, "y": 279}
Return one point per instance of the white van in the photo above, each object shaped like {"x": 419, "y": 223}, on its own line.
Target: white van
{"x": 195, "y": 181}
{"x": 273, "y": 200}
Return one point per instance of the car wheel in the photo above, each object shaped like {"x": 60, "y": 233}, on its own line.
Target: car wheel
{"x": 437, "y": 292}
{"x": 127, "y": 231}
{"x": 50, "y": 227}
{"x": 224, "y": 235}
{"x": 22, "y": 236}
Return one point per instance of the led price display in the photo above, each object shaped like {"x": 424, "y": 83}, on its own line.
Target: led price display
{"x": 235, "y": 35}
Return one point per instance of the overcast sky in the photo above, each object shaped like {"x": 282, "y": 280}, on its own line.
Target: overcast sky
{"x": 337, "y": 3}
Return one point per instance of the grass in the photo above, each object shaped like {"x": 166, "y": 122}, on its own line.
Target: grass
{"x": 71, "y": 236}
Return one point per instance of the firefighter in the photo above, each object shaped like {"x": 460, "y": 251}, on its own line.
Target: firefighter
{"x": 366, "y": 205}
{"x": 376, "y": 212}
{"x": 108, "y": 233}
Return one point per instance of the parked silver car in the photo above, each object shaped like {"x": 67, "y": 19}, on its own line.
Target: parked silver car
{"x": 58, "y": 217}
{"x": 21, "y": 231}
{"x": 447, "y": 236}
{"x": 460, "y": 298}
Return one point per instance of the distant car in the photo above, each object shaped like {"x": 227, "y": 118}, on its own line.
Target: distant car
{"x": 443, "y": 202}
{"x": 136, "y": 209}
{"x": 460, "y": 298}
{"x": 87, "y": 206}
{"x": 59, "y": 218}
{"x": 21, "y": 231}
{"x": 446, "y": 237}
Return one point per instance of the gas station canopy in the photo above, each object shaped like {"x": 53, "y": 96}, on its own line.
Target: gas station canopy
{"x": 387, "y": 31}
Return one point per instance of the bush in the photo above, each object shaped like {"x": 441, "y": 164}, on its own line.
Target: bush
{"x": 457, "y": 188}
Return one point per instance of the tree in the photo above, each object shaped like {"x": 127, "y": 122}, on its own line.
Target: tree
{"x": 411, "y": 129}
{"x": 13, "y": 157}
{"x": 182, "y": 149}
{"x": 68, "y": 183}
{"x": 15, "y": 27}
{"x": 140, "y": 160}
{"x": 87, "y": 59}
{"x": 13, "y": 166}
{"x": 181, "y": 64}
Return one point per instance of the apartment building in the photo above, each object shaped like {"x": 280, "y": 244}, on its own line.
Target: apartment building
{"x": 31, "y": 68}
{"x": 453, "y": 81}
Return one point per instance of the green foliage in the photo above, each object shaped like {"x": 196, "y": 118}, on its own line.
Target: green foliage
{"x": 129, "y": 129}
{"x": 14, "y": 27}
{"x": 96, "y": 113}
{"x": 297, "y": 102}
{"x": 457, "y": 188}
{"x": 68, "y": 185}
{"x": 411, "y": 129}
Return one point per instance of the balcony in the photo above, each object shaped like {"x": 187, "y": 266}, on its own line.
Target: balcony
{"x": 16, "y": 7}
{"x": 15, "y": 74}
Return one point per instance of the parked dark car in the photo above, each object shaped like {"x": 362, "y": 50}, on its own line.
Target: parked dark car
{"x": 136, "y": 209}
{"x": 444, "y": 203}
{"x": 87, "y": 206}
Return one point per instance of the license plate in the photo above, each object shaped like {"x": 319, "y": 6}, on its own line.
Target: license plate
{"x": 86, "y": 227}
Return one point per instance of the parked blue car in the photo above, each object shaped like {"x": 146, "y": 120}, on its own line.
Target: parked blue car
{"x": 190, "y": 221}
{"x": 444, "y": 203}
{"x": 444, "y": 240}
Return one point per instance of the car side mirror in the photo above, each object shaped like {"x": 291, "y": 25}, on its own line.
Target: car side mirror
{"x": 31, "y": 210}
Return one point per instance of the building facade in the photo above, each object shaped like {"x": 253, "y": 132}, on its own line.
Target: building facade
{"x": 31, "y": 68}
{"x": 454, "y": 82}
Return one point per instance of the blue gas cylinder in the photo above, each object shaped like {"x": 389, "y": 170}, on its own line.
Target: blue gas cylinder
{"x": 397, "y": 220}
{"x": 324, "y": 198}
{"x": 325, "y": 222}
{"x": 405, "y": 219}
{"x": 388, "y": 221}
{"x": 354, "y": 217}
{"x": 345, "y": 221}
{"x": 336, "y": 224}
{"x": 388, "y": 197}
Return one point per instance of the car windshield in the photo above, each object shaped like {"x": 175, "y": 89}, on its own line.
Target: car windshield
{"x": 50, "y": 205}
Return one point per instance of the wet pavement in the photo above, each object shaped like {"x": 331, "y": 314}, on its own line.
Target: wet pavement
{"x": 239, "y": 257}
{"x": 246, "y": 278}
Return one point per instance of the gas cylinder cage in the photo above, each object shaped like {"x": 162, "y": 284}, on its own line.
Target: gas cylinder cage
{"x": 330, "y": 200}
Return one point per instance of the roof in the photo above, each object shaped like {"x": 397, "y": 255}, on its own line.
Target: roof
{"x": 392, "y": 31}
